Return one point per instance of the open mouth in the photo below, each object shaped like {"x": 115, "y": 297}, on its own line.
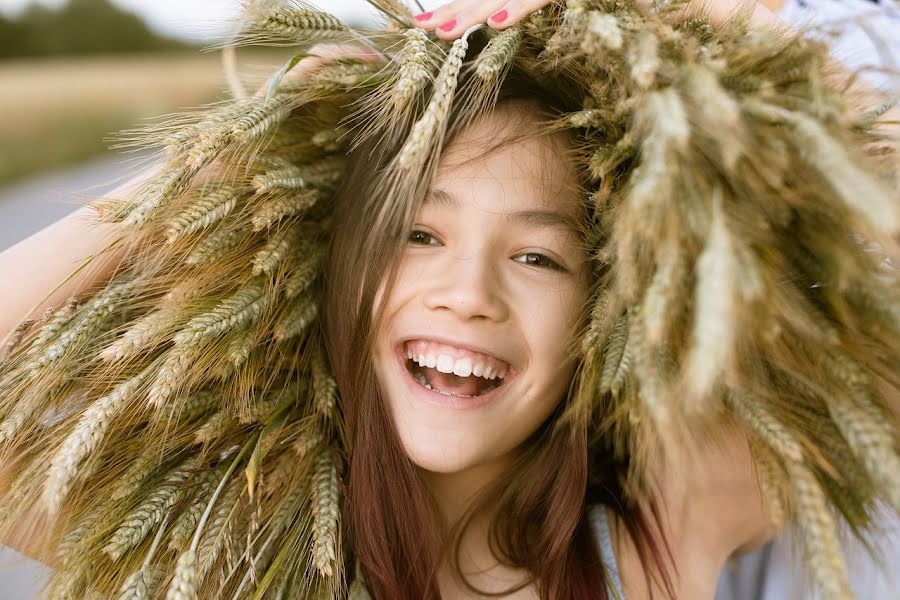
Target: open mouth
{"x": 462, "y": 377}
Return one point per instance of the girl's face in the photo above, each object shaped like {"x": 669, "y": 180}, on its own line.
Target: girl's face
{"x": 491, "y": 282}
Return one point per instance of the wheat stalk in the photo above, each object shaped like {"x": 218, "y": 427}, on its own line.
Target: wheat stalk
{"x": 213, "y": 246}
{"x": 617, "y": 359}
{"x": 326, "y": 513}
{"x": 138, "y": 524}
{"x": 817, "y": 527}
{"x": 282, "y": 207}
{"x": 279, "y": 247}
{"x": 419, "y": 142}
{"x": 211, "y": 206}
{"x": 83, "y": 440}
{"x": 712, "y": 337}
{"x": 498, "y": 55}
{"x": 296, "y": 320}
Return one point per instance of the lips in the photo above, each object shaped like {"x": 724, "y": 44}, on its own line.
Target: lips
{"x": 455, "y": 385}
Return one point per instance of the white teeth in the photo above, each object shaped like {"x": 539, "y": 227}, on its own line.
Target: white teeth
{"x": 463, "y": 367}
{"x": 444, "y": 363}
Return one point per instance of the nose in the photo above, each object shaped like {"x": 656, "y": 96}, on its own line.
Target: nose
{"x": 469, "y": 286}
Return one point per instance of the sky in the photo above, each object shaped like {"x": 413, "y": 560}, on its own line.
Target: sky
{"x": 199, "y": 19}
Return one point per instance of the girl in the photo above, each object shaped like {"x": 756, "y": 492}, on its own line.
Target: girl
{"x": 494, "y": 425}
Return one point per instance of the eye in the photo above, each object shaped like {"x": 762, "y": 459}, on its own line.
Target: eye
{"x": 421, "y": 238}
{"x": 537, "y": 259}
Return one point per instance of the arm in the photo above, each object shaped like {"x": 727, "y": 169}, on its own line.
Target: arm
{"x": 37, "y": 265}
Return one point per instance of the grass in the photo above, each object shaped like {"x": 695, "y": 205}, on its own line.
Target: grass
{"x": 55, "y": 113}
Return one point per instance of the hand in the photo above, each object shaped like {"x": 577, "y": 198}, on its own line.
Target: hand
{"x": 451, "y": 20}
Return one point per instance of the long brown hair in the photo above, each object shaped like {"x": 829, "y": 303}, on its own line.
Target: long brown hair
{"x": 541, "y": 521}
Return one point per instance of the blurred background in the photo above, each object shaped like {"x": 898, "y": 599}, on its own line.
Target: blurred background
{"x": 73, "y": 72}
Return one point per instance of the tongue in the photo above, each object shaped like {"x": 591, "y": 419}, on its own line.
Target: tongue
{"x": 450, "y": 383}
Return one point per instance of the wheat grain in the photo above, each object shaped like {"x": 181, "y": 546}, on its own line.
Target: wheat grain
{"x": 307, "y": 442}
{"x": 141, "y": 468}
{"x": 617, "y": 359}
{"x": 140, "y": 334}
{"x": 304, "y": 270}
{"x": 326, "y": 513}
{"x": 149, "y": 514}
{"x": 137, "y": 586}
{"x": 282, "y": 207}
{"x": 176, "y": 363}
{"x": 54, "y": 322}
{"x": 498, "y": 55}
{"x": 603, "y": 32}
{"x": 212, "y": 206}
{"x": 413, "y": 71}
{"x": 296, "y": 320}
{"x": 279, "y": 247}
{"x": 215, "y": 426}
{"x": 184, "y": 584}
{"x": 871, "y": 442}
{"x": 198, "y": 403}
{"x": 261, "y": 119}
{"x": 325, "y": 393}
{"x": 87, "y": 323}
{"x": 161, "y": 190}
{"x": 285, "y": 178}
{"x": 213, "y": 246}
{"x": 817, "y": 528}
{"x": 643, "y": 59}
{"x": 84, "y": 440}
{"x": 858, "y": 190}
{"x": 237, "y": 310}
{"x": 715, "y": 313}
{"x": 418, "y": 144}
{"x": 771, "y": 431}
{"x": 301, "y": 23}
{"x": 184, "y": 527}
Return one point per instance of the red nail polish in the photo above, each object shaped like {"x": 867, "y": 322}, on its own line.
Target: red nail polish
{"x": 500, "y": 16}
{"x": 448, "y": 25}
{"x": 424, "y": 16}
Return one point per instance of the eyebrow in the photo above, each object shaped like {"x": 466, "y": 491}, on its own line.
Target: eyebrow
{"x": 534, "y": 217}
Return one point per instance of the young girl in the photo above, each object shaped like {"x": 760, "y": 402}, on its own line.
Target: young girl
{"x": 489, "y": 256}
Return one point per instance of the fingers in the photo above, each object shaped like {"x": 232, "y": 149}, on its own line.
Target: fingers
{"x": 510, "y": 13}
{"x": 451, "y": 20}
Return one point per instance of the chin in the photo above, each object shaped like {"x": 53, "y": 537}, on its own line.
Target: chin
{"x": 438, "y": 451}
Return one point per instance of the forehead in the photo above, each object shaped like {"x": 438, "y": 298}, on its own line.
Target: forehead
{"x": 496, "y": 159}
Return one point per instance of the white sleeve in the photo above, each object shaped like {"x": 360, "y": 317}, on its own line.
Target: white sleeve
{"x": 775, "y": 571}
{"x": 863, "y": 35}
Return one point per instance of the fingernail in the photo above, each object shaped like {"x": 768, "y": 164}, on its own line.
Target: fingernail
{"x": 500, "y": 16}
{"x": 424, "y": 16}
{"x": 448, "y": 25}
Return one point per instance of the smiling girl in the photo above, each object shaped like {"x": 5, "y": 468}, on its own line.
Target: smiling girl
{"x": 576, "y": 310}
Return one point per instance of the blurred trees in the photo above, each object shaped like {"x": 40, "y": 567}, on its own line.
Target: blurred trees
{"x": 80, "y": 27}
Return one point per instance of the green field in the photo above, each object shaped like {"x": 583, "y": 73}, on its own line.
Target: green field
{"x": 59, "y": 112}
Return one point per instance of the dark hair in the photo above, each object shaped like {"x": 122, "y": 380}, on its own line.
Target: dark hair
{"x": 542, "y": 523}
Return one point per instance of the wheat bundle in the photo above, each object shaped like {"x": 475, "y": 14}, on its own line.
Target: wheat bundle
{"x": 181, "y": 426}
